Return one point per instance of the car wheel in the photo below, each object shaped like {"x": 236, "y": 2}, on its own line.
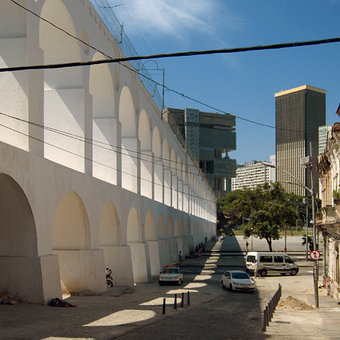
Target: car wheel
{"x": 161, "y": 283}
{"x": 222, "y": 285}
{"x": 283, "y": 274}
{"x": 231, "y": 287}
{"x": 293, "y": 272}
{"x": 263, "y": 272}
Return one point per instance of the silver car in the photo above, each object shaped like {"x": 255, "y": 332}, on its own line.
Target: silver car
{"x": 237, "y": 280}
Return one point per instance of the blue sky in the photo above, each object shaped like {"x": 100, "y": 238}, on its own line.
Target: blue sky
{"x": 242, "y": 84}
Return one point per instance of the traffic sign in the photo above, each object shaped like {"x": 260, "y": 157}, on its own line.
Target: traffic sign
{"x": 314, "y": 254}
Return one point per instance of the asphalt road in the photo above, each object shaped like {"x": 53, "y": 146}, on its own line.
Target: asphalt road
{"x": 214, "y": 313}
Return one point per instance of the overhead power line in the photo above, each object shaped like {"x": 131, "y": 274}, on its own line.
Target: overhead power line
{"x": 313, "y": 42}
{"x": 170, "y": 55}
{"x": 190, "y": 195}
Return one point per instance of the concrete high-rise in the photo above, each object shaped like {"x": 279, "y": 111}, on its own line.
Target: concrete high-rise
{"x": 209, "y": 137}
{"x": 299, "y": 113}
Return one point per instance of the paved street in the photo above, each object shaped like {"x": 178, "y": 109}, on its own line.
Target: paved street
{"x": 214, "y": 313}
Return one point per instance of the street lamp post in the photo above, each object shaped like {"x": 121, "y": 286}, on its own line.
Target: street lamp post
{"x": 308, "y": 163}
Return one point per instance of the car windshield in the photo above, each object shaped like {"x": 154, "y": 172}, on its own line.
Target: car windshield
{"x": 240, "y": 275}
{"x": 171, "y": 271}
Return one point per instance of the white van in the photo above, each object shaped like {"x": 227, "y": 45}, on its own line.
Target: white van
{"x": 270, "y": 262}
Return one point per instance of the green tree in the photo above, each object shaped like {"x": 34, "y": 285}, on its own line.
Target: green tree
{"x": 263, "y": 211}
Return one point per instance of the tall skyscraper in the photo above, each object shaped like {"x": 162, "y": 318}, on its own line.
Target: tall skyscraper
{"x": 299, "y": 113}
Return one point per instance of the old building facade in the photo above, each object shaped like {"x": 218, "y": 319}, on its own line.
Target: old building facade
{"x": 329, "y": 222}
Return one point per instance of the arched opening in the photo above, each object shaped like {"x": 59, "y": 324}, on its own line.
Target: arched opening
{"x": 158, "y": 165}
{"x": 167, "y": 173}
{"x": 137, "y": 247}
{"x": 80, "y": 267}
{"x": 110, "y": 240}
{"x": 65, "y": 99}
{"x": 172, "y": 240}
{"x": 153, "y": 246}
{"x": 174, "y": 186}
{"x": 130, "y": 146}
{"x": 164, "y": 249}
{"x": 104, "y": 122}
{"x": 18, "y": 244}
{"x": 146, "y": 168}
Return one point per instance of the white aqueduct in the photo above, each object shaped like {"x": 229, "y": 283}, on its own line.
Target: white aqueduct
{"x": 90, "y": 175}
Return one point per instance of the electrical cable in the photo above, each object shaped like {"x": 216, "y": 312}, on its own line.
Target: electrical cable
{"x": 232, "y": 50}
{"x": 99, "y": 163}
{"x": 169, "y": 55}
{"x": 108, "y": 146}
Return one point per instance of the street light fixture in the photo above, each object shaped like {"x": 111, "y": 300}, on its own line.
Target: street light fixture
{"x": 308, "y": 163}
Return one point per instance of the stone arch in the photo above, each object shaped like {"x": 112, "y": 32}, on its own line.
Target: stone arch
{"x": 144, "y": 137}
{"x": 110, "y": 242}
{"x": 58, "y": 47}
{"x": 134, "y": 227}
{"x": 172, "y": 240}
{"x": 137, "y": 247}
{"x": 158, "y": 165}
{"x": 127, "y": 116}
{"x": 129, "y": 142}
{"x": 18, "y": 243}
{"x": 109, "y": 227}
{"x": 101, "y": 89}
{"x": 170, "y": 227}
{"x": 71, "y": 228}
{"x": 161, "y": 227}
{"x": 164, "y": 250}
{"x": 144, "y": 131}
{"x": 80, "y": 267}
{"x": 167, "y": 173}
{"x": 66, "y": 101}
{"x": 150, "y": 232}
{"x": 153, "y": 244}
{"x": 104, "y": 128}
{"x": 174, "y": 186}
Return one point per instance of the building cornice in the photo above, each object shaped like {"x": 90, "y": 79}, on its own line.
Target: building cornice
{"x": 300, "y": 88}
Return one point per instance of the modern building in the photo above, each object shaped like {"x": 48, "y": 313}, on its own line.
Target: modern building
{"x": 252, "y": 174}
{"x": 90, "y": 175}
{"x": 299, "y": 113}
{"x": 209, "y": 137}
{"x": 323, "y": 131}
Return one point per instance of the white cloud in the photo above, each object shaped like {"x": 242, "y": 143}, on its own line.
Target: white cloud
{"x": 176, "y": 18}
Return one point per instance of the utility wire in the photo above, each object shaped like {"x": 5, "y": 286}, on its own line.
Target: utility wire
{"x": 169, "y": 55}
{"x": 99, "y": 163}
{"x": 107, "y": 146}
{"x": 314, "y": 42}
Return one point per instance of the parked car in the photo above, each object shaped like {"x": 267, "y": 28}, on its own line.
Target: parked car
{"x": 271, "y": 262}
{"x": 171, "y": 274}
{"x": 237, "y": 280}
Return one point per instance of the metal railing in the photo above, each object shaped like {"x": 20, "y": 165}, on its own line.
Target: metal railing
{"x": 104, "y": 8}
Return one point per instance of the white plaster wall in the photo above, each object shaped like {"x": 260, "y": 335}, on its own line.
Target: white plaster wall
{"x": 139, "y": 266}
{"x": 119, "y": 260}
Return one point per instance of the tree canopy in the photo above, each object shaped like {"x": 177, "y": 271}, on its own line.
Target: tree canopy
{"x": 262, "y": 212}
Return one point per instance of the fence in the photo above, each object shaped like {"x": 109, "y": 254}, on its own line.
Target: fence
{"x": 270, "y": 309}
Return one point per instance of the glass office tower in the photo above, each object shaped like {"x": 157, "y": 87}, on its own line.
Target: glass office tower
{"x": 299, "y": 113}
